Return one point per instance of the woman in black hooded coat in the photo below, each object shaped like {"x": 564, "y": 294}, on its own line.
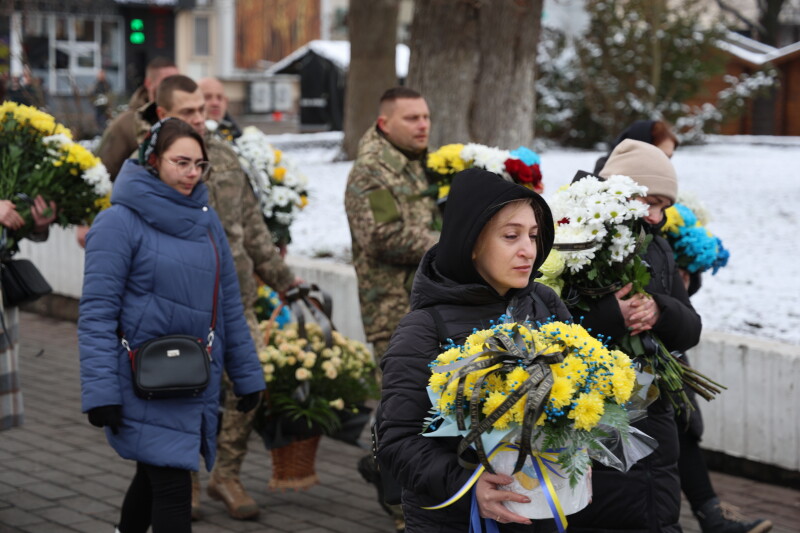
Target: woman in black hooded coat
{"x": 454, "y": 284}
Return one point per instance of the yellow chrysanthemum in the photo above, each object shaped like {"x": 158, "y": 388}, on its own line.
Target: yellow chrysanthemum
{"x": 588, "y": 409}
{"x": 624, "y": 377}
{"x": 562, "y": 391}
{"x": 444, "y": 190}
{"x": 516, "y": 377}
{"x": 279, "y": 174}
{"x": 303, "y": 201}
{"x": 446, "y": 403}
{"x": 447, "y": 159}
{"x": 493, "y": 401}
{"x": 517, "y": 411}
{"x": 674, "y": 221}
{"x": 437, "y": 381}
{"x": 476, "y": 340}
{"x": 447, "y": 357}
{"x": 495, "y": 383}
{"x": 278, "y": 155}
{"x": 472, "y": 378}
{"x": 104, "y": 202}
{"x": 573, "y": 367}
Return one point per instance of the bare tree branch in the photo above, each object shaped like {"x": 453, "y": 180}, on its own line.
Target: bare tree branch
{"x": 752, "y": 25}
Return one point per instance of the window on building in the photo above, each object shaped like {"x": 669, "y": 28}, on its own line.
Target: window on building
{"x": 65, "y": 51}
{"x": 201, "y": 44}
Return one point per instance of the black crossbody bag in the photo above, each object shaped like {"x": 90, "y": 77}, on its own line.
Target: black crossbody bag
{"x": 22, "y": 282}
{"x": 174, "y": 366}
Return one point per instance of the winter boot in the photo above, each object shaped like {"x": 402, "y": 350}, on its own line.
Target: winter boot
{"x": 231, "y": 492}
{"x": 720, "y": 517}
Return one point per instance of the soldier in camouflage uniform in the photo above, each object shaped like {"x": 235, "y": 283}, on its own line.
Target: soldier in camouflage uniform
{"x": 253, "y": 251}
{"x": 391, "y": 215}
{"x": 390, "y": 212}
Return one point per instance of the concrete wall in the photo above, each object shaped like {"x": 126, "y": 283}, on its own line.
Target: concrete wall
{"x": 757, "y": 418}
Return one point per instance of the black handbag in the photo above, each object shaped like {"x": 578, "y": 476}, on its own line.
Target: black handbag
{"x": 22, "y": 282}
{"x": 174, "y": 366}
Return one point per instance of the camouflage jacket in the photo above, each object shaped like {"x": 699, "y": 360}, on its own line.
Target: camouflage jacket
{"x": 121, "y": 136}
{"x": 231, "y": 196}
{"x": 391, "y": 221}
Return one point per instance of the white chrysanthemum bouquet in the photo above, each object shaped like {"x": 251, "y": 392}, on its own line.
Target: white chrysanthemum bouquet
{"x": 278, "y": 184}
{"x": 599, "y": 235}
{"x": 599, "y": 245}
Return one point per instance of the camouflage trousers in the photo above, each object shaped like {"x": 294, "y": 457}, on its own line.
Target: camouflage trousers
{"x": 236, "y": 426}
{"x": 232, "y": 438}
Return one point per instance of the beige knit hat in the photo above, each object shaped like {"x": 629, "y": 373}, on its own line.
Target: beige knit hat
{"x": 646, "y": 165}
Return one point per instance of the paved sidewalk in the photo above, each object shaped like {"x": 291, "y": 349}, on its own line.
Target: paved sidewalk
{"x": 58, "y": 474}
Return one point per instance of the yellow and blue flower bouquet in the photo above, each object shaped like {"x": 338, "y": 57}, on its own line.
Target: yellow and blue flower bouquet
{"x": 537, "y": 404}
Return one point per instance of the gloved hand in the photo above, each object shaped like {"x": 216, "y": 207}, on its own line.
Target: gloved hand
{"x": 106, "y": 415}
{"x": 248, "y": 402}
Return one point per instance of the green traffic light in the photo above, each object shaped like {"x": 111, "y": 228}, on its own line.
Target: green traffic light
{"x": 137, "y": 25}
{"x": 137, "y": 37}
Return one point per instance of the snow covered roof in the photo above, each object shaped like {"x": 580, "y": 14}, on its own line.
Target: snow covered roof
{"x": 338, "y": 52}
{"x": 754, "y": 52}
{"x": 149, "y": 2}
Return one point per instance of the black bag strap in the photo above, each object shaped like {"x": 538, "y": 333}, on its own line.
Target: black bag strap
{"x": 441, "y": 331}
{"x": 539, "y": 301}
{"x": 210, "y": 338}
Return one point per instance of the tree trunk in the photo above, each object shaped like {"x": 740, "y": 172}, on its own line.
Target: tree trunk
{"x": 474, "y": 62}
{"x": 372, "y": 25}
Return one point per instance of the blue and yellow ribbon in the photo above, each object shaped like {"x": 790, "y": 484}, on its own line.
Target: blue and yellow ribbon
{"x": 542, "y": 463}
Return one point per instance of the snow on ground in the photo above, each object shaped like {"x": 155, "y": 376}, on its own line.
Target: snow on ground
{"x": 748, "y": 185}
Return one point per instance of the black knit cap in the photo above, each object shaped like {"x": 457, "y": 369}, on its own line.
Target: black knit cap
{"x": 476, "y": 195}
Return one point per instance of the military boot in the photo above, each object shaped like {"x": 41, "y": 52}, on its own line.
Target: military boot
{"x": 719, "y": 517}
{"x": 231, "y": 492}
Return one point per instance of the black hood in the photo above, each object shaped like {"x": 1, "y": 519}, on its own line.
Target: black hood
{"x": 431, "y": 288}
{"x": 641, "y": 130}
{"x": 475, "y": 196}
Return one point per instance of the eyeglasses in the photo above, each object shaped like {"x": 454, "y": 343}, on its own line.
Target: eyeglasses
{"x": 185, "y": 166}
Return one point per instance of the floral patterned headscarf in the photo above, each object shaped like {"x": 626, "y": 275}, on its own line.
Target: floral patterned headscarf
{"x": 147, "y": 155}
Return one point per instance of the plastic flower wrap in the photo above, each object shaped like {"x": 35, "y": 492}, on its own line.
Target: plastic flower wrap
{"x": 554, "y": 395}
{"x": 696, "y": 249}
{"x": 599, "y": 234}
{"x": 520, "y": 166}
{"x": 39, "y": 157}
{"x": 280, "y": 187}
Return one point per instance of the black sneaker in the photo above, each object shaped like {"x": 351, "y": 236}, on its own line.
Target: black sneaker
{"x": 720, "y": 517}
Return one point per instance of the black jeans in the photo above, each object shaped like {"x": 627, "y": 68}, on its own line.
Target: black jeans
{"x": 159, "y": 496}
{"x": 695, "y": 480}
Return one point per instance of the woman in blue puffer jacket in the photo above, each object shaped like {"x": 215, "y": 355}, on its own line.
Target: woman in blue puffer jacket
{"x": 150, "y": 271}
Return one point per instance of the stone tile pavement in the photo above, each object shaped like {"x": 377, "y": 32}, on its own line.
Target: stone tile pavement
{"x": 57, "y": 474}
